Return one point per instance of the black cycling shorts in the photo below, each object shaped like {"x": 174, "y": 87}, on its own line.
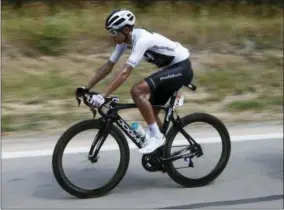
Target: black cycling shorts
{"x": 165, "y": 81}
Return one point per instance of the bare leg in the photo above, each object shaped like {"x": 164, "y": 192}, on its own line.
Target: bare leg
{"x": 158, "y": 120}
{"x": 138, "y": 93}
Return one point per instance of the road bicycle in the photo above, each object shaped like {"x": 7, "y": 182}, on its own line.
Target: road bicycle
{"x": 112, "y": 124}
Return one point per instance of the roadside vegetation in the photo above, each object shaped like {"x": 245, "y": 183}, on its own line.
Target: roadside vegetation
{"x": 237, "y": 56}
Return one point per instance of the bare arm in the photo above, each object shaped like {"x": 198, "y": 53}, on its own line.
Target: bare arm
{"x": 132, "y": 62}
{"x": 103, "y": 71}
{"x": 118, "y": 80}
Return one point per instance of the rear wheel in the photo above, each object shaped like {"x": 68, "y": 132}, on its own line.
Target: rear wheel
{"x": 218, "y": 126}
{"x": 60, "y": 174}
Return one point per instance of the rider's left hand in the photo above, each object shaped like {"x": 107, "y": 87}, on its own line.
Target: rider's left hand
{"x": 96, "y": 100}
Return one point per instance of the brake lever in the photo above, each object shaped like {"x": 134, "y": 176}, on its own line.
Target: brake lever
{"x": 79, "y": 101}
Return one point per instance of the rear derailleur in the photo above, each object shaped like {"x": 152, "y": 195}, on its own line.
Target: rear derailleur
{"x": 195, "y": 151}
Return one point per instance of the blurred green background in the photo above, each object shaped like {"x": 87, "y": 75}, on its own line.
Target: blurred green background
{"x": 51, "y": 47}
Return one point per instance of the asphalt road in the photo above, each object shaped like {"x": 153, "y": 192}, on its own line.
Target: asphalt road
{"x": 252, "y": 179}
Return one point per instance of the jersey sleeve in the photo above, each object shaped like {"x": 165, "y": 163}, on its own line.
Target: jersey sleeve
{"x": 138, "y": 51}
{"x": 117, "y": 53}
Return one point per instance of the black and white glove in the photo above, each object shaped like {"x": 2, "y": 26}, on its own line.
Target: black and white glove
{"x": 96, "y": 100}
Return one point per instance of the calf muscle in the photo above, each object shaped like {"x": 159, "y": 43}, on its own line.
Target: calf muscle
{"x": 138, "y": 93}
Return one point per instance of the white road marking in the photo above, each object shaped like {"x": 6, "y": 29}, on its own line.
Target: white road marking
{"x": 111, "y": 147}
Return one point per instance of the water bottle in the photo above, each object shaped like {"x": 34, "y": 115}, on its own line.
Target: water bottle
{"x": 139, "y": 131}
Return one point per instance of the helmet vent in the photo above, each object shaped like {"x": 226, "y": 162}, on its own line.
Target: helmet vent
{"x": 120, "y": 21}
{"x": 113, "y": 19}
{"x": 119, "y": 18}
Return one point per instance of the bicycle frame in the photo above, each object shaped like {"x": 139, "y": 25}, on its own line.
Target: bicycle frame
{"x": 113, "y": 117}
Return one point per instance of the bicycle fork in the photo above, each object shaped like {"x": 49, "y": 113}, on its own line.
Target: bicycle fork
{"x": 99, "y": 141}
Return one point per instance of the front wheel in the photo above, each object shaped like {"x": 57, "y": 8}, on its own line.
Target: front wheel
{"x": 217, "y": 125}
{"x": 61, "y": 175}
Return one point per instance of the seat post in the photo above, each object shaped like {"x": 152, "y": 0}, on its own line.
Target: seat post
{"x": 173, "y": 98}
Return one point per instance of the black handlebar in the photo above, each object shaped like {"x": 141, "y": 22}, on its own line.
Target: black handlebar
{"x": 82, "y": 93}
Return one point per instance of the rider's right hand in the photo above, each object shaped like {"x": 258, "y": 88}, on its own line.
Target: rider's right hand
{"x": 80, "y": 91}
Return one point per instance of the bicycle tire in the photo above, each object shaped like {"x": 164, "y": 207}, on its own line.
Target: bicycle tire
{"x": 226, "y": 150}
{"x": 58, "y": 153}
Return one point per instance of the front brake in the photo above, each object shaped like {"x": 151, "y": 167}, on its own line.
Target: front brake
{"x": 94, "y": 112}
{"x": 92, "y": 109}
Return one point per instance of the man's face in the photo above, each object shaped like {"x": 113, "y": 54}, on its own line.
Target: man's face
{"x": 117, "y": 36}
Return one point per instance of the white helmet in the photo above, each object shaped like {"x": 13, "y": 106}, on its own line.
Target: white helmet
{"x": 119, "y": 18}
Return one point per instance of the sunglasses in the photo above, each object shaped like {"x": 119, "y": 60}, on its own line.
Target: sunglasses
{"x": 113, "y": 32}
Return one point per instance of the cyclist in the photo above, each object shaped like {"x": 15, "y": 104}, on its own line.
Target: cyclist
{"x": 170, "y": 57}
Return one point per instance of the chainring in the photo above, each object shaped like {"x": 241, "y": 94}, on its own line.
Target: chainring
{"x": 149, "y": 164}
{"x": 152, "y": 162}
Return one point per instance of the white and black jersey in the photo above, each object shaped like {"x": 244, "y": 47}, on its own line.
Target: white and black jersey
{"x": 153, "y": 47}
